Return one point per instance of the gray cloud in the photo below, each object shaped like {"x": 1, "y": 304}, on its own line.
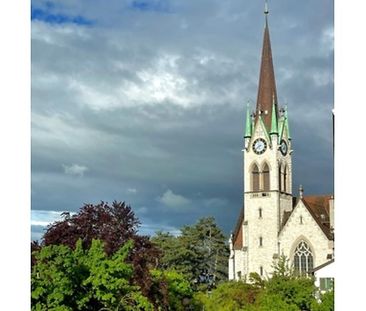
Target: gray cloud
{"x": 154, "y": 100}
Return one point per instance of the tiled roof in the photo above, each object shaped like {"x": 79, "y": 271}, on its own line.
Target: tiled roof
{"x": 267, "y": 83}
{"x": 318, "y": 207}
{"x": 238, "y": 232}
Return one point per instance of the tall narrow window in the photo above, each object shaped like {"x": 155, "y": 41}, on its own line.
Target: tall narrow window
{"x": 261, "y": 271}
{"x": 260, "y": 241}
{"x": 265, "y": 174}
{"x": 255, "y": 178}
{"x": 285, "y": 179}
{"x": 260, "y": 213}
{"x": 303, "y": 258}
{"x": 279, "y": 178}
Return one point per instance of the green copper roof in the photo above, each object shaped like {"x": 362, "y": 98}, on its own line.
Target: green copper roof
{"x": 248, "y": 125}
{"x": 281, "y": 123}
{"x": 286, "y": 124}
{"x": 274, "y": 126}
{"x": 264, "y": 128}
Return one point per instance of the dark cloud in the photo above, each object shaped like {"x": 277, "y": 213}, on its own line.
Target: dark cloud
{"x": 153, "y": 101}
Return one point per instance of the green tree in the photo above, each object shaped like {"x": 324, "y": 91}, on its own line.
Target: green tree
{"x": 84, "y": 279}
{"x": 200, "y": 252}
{"x": 326, "y": 302}
{"x": 114, "y": 224}
{"x": 228, "y": 296}
{"x": 293, "y": 289}
{"x": 178, "y": 288}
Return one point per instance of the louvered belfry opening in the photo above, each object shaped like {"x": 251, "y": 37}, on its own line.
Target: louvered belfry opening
{"x": 255, "y": 178}
{"x": 285, "y": 179}
{"x": 265, "y": 174}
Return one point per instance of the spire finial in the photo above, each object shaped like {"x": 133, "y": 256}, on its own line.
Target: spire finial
{"x": 301, "y": 192}
{"x": 266, "y": 11}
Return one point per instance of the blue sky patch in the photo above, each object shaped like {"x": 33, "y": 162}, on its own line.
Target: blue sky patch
{"x": 42, "y": 15}
{"x": 150, "y": 5}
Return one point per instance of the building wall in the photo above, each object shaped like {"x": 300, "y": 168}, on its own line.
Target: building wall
{"x": 272, "y": 204}
{"x": 309, "y": 231}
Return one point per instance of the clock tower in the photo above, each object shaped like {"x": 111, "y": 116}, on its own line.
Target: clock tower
{"x": 267, "y": 170}
{"x": 272, "y": 221}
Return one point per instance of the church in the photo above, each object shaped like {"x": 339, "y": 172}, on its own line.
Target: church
{"x": 274, "y": 220}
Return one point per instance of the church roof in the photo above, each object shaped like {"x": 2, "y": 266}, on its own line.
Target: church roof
{"x": 238, "y": 232}
{"x": 318, "y": 207}
{"x": 267, "y": 92}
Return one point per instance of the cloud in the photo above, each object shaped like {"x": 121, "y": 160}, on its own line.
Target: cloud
{"x": 132, "y": 190}
{"x": 145, "y": 98}
{"x": 75, "y": 169}
{"x": 215, "y": 202}
{"x": 170, "y": 199}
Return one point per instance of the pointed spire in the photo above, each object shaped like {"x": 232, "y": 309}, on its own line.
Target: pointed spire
{"x": 274, "y": 125}
{"x": 266, "y": 11}
{"x": 287, "y": 125}
{"x": 248, "y": 124}
{"x": 267, "y": 83}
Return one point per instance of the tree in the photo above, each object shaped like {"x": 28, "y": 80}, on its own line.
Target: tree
{"x": 200, "y": 252}
{"x": 114, "y": 225}
{"x": 178, "y": 288}
{"x": 228, "y": 296}
{"x": 291, "y": 288}
{"x": 326, "y": 302}
{"x": 84, "y": 279}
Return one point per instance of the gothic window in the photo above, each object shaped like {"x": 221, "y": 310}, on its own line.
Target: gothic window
{"x": 285, "y": 179}
{"x": 255, "y": 178}
{"x": 260, "y": 213}
{"x": 265, "y": 174}
{"x": 301, "y": 220}
{"x": 260, "y": 241}
{"x": 303, "y": 258}
{"x": 261, "y": 271}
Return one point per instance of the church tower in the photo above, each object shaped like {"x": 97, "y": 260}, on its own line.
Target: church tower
{"x": 272, "y": 221}
{"x": 267, "y": 170}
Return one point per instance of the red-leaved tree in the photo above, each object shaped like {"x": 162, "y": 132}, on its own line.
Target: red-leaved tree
{"x": 113, "y": 224}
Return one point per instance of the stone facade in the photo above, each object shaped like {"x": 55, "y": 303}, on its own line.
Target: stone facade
{"x": 273, "y": 222}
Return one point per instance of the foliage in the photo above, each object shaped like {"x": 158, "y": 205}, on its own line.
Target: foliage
{"x": 178, "y": 288}
{"x": 200, "y": 252}
{"x": 326, "y": 302}
{"x": 114, "y": 225}
{"x": 284, "y": 291}
{"x": 79, "y": 279}
{"x": 291, "y": 288}
{"x": 228, "y": 296}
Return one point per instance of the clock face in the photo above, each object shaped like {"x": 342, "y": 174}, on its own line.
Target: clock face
{"x": 283, "y": 147}
{"x": 259, "y": 146}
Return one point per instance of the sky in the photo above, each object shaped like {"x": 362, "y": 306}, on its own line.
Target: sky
{"x": 144, "y": 102}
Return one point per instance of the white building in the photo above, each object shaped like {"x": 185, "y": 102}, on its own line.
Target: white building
{"x": 273, "y": 221}
{"x": 324, "y": 276}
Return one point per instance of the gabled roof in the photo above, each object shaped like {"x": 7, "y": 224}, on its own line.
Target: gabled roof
{"x": 321, "y": 266}
{"x": 238, "y": 233}
{"x": 318, "y": 207}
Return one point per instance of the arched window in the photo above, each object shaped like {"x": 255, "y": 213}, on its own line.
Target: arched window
{"x": 285, "y": 179}
{"x": 303, "y": 258}
{"x": 265, "y": 174}
{"x": 255, "y": 178}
